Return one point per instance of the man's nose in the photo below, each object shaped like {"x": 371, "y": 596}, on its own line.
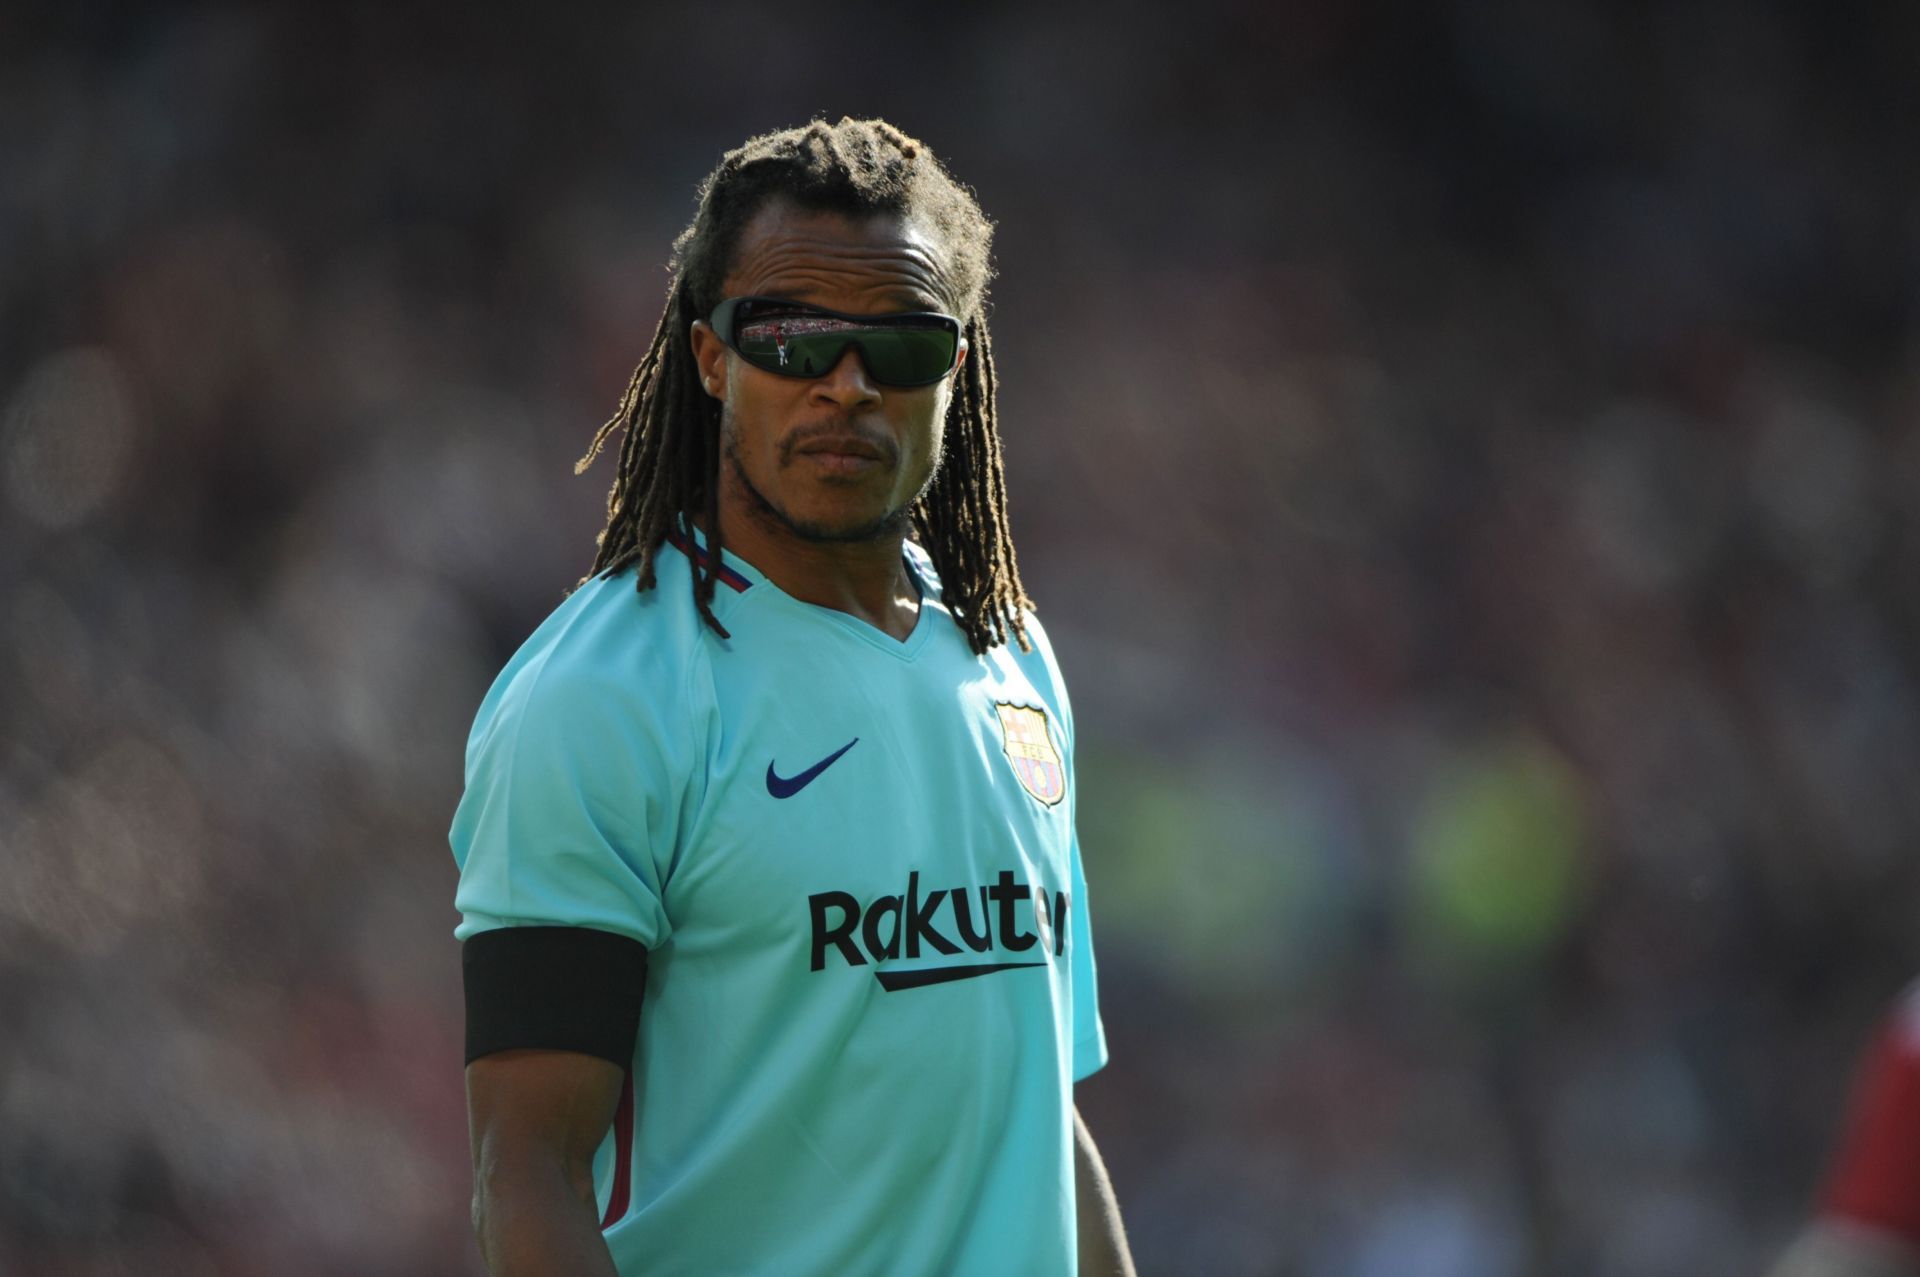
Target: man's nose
{"x": 847, "y": 384}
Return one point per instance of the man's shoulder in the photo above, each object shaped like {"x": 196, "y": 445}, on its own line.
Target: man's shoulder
{"x": 608, "y": 647}
{"x": 1040, "y": 658}
{"x": 929, "y": 577}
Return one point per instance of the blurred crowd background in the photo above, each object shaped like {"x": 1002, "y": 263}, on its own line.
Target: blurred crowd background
{"x": 1465, "y": 454}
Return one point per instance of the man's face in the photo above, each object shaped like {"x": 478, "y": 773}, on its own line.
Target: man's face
{"x": 838, "y": 457}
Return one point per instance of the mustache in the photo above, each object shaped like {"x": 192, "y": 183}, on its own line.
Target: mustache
{"x": 841, "y": 431}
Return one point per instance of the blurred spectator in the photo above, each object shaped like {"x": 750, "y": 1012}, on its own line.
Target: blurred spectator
{"x": 1868, "y": 1222}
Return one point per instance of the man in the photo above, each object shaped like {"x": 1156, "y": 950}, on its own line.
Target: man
{"x": 1868, "y": 1224}
{"x": 804, "y": 784}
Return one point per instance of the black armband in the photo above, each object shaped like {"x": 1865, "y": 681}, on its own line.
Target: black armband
{"x": 553, "y": 989}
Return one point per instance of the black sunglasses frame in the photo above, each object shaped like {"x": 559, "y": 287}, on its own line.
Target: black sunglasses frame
{"x": 723, "y": 315}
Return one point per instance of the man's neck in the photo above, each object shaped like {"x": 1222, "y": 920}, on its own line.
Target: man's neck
{"x": 868, "y": 580}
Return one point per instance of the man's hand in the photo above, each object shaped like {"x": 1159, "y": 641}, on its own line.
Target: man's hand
{"x": 535, "y": 1119}
{"x": 1103, "y": 1242}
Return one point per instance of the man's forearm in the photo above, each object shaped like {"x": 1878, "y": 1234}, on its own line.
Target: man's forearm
{"x": 531, "y": 1222}
{"x": 1103, "y": 1242}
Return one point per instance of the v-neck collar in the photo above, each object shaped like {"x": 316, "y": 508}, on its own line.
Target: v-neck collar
{"x": 751, "y": 578}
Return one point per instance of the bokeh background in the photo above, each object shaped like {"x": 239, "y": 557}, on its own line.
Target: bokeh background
{"x": 1465, "y": 454}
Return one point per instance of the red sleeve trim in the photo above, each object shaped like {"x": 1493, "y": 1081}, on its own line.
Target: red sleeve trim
{"x": 622, "y": 1194}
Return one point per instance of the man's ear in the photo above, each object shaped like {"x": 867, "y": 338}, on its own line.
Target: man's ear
{"x": 710, "y": 357}
{"x": 960, "y": 360}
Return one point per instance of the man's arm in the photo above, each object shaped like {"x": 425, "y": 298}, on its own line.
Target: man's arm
{"x": 535, "y": 1119}
{"x": 1103, "y": 1242}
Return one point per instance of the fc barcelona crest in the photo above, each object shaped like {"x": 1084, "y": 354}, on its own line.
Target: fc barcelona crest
{"x": 1029, "y": 746}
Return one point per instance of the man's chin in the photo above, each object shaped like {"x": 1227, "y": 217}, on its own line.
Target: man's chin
{"x": 827, "y": 515}
{"x": 843, "y": 528}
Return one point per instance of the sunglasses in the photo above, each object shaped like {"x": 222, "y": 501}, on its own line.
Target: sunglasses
{"x": 797, "y": 340}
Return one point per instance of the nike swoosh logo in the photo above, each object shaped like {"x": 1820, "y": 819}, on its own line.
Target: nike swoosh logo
{"x": 787, "y": 786}
{"x": 893, "y": 981}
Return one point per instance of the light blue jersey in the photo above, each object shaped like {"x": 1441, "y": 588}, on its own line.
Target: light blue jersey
{"x": 853, "y": 861}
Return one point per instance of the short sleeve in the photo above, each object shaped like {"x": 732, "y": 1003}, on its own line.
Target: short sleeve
{"x": 573, "y": 795}
{"x": 1089, "y": 1034}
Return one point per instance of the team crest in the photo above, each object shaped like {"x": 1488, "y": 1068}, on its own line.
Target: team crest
{"x": 1029, "y": 747}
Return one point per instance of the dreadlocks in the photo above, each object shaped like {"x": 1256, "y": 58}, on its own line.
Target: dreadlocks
{"x": 670, "y": 457}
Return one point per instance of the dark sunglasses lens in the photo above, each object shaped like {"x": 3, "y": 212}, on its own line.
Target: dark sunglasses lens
{"x": 802, "y": 346}
{"x": 811, "y": 354}
{"x": 765, "y": 344}
{"x": 908, "y": 356}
